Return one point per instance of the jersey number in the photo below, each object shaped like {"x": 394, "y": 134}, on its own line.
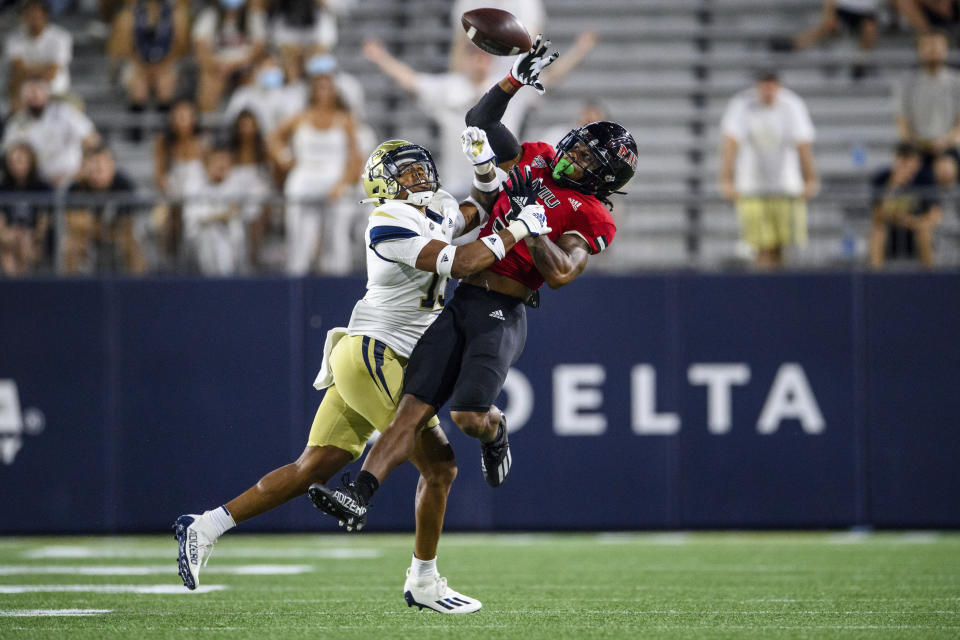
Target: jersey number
{"x": 432, "y": 298}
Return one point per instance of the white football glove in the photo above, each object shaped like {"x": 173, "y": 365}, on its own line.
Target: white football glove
{"x": 531, "y": 221}
{"x": 477, "y": 149}
{"x": 527, "y": 67}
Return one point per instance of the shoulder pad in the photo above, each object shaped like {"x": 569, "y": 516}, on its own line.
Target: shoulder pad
{"x": 391, "y": 212}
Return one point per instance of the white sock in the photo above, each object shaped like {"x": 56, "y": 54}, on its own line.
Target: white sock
{"x": 423, "y": 568}
{"x": 220, "y": 521}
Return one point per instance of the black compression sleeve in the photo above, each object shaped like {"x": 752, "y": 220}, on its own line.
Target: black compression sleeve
{"x": 486, "y": 114}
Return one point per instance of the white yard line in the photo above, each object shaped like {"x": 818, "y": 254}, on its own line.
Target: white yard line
{"x": 106, "y": 570}
{"x": 160, "y": 589}
{"x": 667, "y": 538}
{"x": 919, "y": 537}
{"x": 49, "y": 613}
{"x": 849, "y": 537}
{"x": 77, "y": 552}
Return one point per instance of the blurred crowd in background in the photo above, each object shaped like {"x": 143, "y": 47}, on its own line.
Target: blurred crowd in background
{"x": 258, "y": 135}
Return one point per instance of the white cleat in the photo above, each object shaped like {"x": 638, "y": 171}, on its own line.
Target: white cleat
{"x": 432, "y": 592}
{"x": 194, "y": 546}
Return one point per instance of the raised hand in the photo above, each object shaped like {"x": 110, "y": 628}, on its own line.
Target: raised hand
{"x": 522, "y": 190}
{"x": 526, "y": 217}
{"x": 476, "y": 147}
{"x": 528, "y": 66}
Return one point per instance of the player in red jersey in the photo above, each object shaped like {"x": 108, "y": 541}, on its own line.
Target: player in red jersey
{"x": 465, "y": 355}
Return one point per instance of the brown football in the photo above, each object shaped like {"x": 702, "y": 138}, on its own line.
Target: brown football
{"x": 496, "y": 31}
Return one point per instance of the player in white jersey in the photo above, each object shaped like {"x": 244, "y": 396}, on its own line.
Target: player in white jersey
{"x": 409, "y": 259}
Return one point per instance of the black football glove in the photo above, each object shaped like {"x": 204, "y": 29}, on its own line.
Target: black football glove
{"x": 527, "y": 67}
{"x": 522, "y": 190}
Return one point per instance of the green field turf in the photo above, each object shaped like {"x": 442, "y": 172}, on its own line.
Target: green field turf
{"x": 716, "y": 585}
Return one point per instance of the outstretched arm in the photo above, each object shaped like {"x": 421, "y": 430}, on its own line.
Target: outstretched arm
{"x": 401, "y": 73}
{"x": 583, "y": 45}
{"x": 527, "y": 221}
{"x": 488, "y": 112}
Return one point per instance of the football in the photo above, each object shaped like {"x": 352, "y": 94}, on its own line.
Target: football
{"x": 496, "y": 31}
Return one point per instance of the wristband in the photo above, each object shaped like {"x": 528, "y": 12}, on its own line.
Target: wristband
{"x": 486, "y": 187}
{"x": 485, "y": 168}
{"x": 516, "y": 83}
{"x": 445, "y": 260}
{"x": 518, "y": 229}
{"x": 495, "y": 244}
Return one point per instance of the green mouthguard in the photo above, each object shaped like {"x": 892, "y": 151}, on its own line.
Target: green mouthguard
{"x": 564, "y": 168}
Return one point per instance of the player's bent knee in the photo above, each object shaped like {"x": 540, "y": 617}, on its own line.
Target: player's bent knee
{"x": 472, "y": 423}
{"x": 441, "y": 474}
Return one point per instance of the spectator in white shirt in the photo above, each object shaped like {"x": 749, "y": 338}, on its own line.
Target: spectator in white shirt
{"x": 267, "y": 96}
{"x": 301, "y": 28}
{"x": 39, "y": 48}
{"x": 56, "y": 130}
{"x": 767, "y": 166}
{"x": 228, "y": 39}
{"x": 214, "y": 216}
{"x": 445, "y": 98}
{"x": 249, "y": 151}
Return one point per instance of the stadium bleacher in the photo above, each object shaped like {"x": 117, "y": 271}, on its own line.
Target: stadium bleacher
{"x": 665, "y": 69}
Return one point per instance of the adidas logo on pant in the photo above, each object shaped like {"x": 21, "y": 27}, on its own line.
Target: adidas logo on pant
{"x": 498, "y": 314}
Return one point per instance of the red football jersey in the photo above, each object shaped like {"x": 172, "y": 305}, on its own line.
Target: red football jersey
{"x": 568, "y": 211}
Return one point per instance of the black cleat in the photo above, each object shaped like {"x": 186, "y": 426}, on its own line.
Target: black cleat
{"x": 343, "y": 503}
{"x": 495, "y": 456}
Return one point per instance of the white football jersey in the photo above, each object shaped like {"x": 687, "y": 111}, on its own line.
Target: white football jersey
{"x": 401, "y": 300}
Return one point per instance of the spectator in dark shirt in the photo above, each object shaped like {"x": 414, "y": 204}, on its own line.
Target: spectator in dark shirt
{"x": 906, "y": 210}
{"x": 100, "y": 227}
{"x": 151, "y": 36}
{"x": 24, "y": 221}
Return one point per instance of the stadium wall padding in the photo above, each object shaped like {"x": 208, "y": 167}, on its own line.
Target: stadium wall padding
{"x": 655, "y": 401}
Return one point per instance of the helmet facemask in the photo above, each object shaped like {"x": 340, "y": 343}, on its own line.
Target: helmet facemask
{"x": 572, "y": 152}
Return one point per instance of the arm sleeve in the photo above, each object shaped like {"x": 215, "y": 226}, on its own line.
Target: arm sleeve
{"x": 487, "y": 114}
{"x": 595, "y": 225}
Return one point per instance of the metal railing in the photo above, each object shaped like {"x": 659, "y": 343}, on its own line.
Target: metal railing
{"x": 656, "y": 231}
